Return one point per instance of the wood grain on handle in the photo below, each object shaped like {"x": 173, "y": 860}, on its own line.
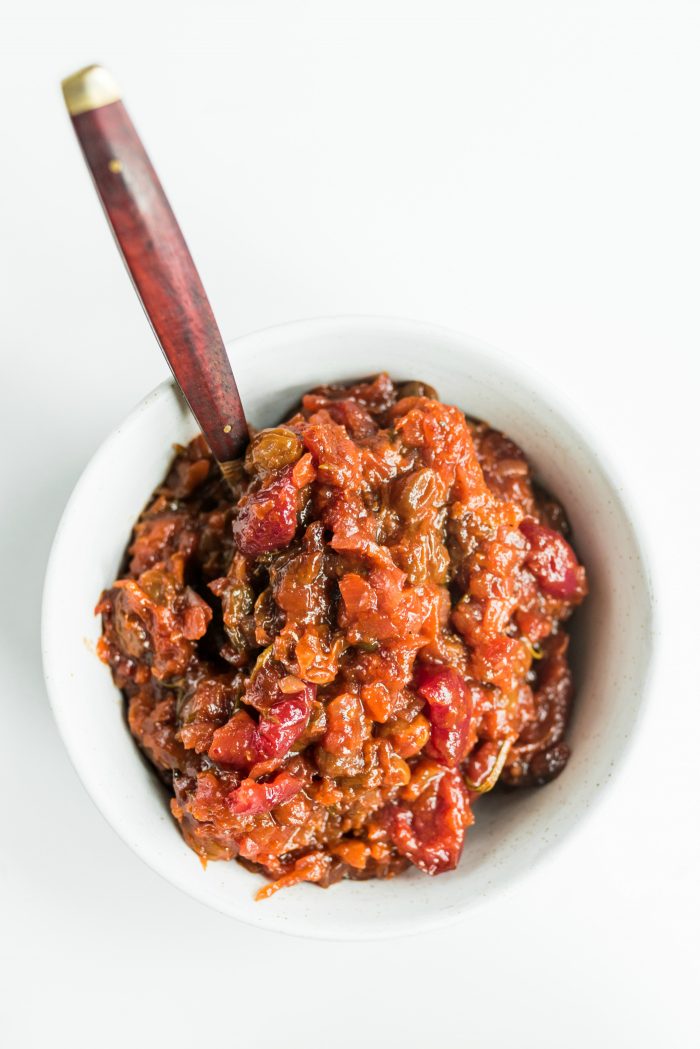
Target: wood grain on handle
{"x": 157, "y": 258}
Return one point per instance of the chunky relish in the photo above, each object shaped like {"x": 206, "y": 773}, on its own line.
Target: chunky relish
{"x": 331, "y": 663}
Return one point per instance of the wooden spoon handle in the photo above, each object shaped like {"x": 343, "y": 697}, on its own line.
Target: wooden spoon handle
{"x": 157, "y": 259}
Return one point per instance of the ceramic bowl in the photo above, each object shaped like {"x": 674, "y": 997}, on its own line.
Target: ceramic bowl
{"x": 613, "y": 632}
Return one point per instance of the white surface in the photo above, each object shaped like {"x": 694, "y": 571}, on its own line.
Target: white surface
{"x": 525, "y": 172}
{"x": 613, "y": 638}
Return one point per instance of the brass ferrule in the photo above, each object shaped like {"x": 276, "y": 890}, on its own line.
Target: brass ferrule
{"x": 89, "y": 88}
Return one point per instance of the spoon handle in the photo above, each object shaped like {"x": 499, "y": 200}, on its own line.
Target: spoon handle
{"x": 157, "y": 258}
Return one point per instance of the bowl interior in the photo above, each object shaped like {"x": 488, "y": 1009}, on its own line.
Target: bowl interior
{"x": 612, "y": 633}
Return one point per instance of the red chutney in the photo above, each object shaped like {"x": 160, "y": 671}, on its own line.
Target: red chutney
{"x": 329, "y": 667}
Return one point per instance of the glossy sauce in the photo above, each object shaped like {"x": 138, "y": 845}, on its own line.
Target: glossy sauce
{"x": 329, "y": 668}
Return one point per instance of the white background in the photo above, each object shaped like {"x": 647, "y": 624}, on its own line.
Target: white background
{"x": 526, "y": 172}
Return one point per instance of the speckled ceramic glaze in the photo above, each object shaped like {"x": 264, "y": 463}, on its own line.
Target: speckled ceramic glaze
{"x": 613, "y": 633}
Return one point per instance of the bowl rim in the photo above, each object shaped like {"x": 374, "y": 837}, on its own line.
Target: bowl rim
{"x": 530, "y": 378}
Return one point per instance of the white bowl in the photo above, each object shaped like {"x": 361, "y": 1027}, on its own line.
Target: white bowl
{"x": 613, "y": 633}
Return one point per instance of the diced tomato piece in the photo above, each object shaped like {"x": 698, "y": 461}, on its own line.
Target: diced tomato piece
{"x": 500, "y": 660}
{"x": 196, "y": 616}
{"x": 450, "y": 702}
{"x": 304, "y": 472}
{"x": 430, "y": 832}
{"x": 242, "y": 743}
{"x": 553, "y": 563}
{"x": 347, "y": 724}
{"x": 347, "y": 412}
{"x": 251, "y": 798}
{"x": 267, "y": 519}
{"x": 381, "y": 607}
{"x": 236, "y": 742}
{"x": 284, "y": 723}
{"x": 336, "y": 456}
{"x": 157, "y": 538}
{"x": 156, "y": 619}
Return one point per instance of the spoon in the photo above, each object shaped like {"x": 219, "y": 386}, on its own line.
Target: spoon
{"x": 158, "y": 260}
